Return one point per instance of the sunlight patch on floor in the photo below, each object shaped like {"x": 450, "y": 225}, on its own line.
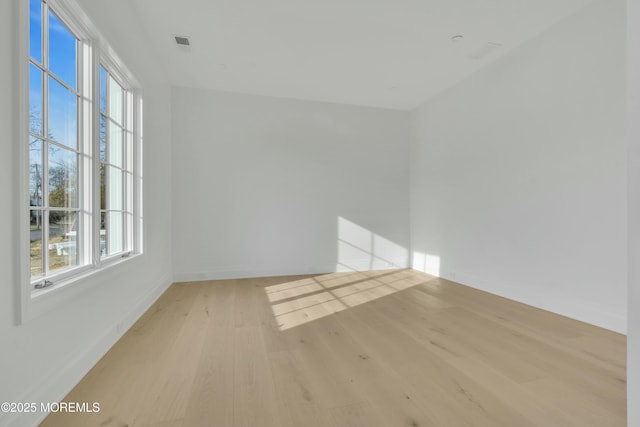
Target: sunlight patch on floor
{"x": 302, "y": 301}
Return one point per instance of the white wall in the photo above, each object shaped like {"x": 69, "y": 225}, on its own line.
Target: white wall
{"x": 519, "y": 173}
{"x": 40, "y": 361}
{"x": 269, "y": 186}
{"x": 633, "y": 158}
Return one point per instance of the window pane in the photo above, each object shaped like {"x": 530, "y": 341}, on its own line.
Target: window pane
{"x": 114, "y": 189}
{"x": 103, "y": 186}
{"x": 35, "y": 239}
{"x": 35, "y": 30}
{"x": 63, "y": 178}
{"x": 35, "y": 99}
{"x": 103, "y": 234}
{"x": 103, "y": 138}
{"x": 63, "y": 239}
{"x": 115, "y": 145}
{"x": 63, "y": 114}
{"x": 128, "y": 150}
{"x": 128, "y": 184}
{"x": 35, "y": 172}
{"x": 115, "y": 101}
{"x": 115, "y": 232}
{"x": 62, "y": 51}
{"x": 103, "y": 90}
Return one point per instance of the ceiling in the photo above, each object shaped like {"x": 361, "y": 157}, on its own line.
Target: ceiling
{"x": 381, "y": 53}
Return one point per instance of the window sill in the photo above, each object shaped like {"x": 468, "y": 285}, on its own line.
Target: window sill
{"x": 41, "y": 301}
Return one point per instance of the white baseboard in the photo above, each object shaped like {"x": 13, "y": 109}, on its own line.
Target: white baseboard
{"x": 62, "y": 380}
{"x": 565, "y": 305}
{"x": 231, "y": 273}
{"x": 245, "y": 273}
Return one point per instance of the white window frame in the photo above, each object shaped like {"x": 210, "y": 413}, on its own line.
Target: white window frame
{"x": 84, "y": 149}
{"x": 93, "y": 50}
{"x": 130, "y": 189}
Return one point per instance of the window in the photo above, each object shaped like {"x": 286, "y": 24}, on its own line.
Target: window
{"x": 53, "y": 144}
{"x": 116, "y": 166}
{"x": 81, "y": 182}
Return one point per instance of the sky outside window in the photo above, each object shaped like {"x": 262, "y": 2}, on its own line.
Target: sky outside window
{"x": 62, "y": 61}
{"x": 35, "y": 36}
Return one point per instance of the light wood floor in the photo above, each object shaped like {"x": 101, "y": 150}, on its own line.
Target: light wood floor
{"x": 384, "y": 348}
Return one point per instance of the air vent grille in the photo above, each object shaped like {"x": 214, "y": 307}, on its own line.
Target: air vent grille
{"x": 182, "y": 41}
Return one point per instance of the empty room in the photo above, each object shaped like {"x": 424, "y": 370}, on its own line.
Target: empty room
{"x": 267, "y": 213}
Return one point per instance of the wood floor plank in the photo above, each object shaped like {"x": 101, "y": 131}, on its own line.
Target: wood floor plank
{"x": 168, "y": 398}
{"x": 523, "y": 401}
{"x": 572, "y": 399}
{"x": 212, "y": 394}
{"x": 354, "y": 415}
{"x": 254, "y": 397}
{"x": 374, "y": 348}
{"x": 297, "y": 391}
{"x": 451, "y": 398}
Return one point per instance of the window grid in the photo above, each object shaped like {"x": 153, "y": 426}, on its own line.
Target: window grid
{"x": 114, "y": 241}
{"x": 67, "y": 201}
{"x": 42, "y": 211}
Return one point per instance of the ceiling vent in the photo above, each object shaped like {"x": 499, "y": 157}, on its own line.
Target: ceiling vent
{"x": 182, "y": 40}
